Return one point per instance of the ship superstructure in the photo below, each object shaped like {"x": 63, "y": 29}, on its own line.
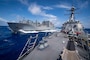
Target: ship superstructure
{"x": 72, "y": 24}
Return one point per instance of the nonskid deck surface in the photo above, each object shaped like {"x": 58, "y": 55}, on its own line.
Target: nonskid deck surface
{"x": 52, "y": 52}
{"x": 57, "y": 43}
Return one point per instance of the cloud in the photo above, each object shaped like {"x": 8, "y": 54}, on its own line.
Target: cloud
{"x": 84, "y": 5}
{"x": 47, "y": 7}
{"x": 25, "y": 2}
{"x": 38, "y": 10}
{"x": 1, "y": 19}
{"x": 3, "y": 22}
{"x": 35, "y": 9}
{"x": 63, "y": 6}
{"x": 86, "y": 24}
{"x": 81, "y": 3}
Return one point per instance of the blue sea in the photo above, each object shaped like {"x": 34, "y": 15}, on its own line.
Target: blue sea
{"x": 11, "y": 44}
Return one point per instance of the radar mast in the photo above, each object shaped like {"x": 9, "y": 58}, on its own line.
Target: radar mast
{"x": 72, "y": 17}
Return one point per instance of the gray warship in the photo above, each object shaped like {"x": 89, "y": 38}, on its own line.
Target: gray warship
{"x": 71, "y": 43}
{"x": 28, "y": 25}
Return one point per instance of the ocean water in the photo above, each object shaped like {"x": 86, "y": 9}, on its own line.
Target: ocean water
{"x": 87, "y": 30}
{"x": 12, "y": 44}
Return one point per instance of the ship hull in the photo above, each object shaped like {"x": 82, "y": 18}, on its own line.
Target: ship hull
{"x": 15, "y": 27}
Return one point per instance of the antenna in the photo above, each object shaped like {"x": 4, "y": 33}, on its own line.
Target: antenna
{"x": 72, "y": 13}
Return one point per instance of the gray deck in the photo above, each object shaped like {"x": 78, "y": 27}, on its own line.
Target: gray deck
{"x": 52, "y": 52}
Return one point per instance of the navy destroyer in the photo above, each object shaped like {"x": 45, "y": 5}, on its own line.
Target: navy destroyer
{"x": 69, "y": 44}
{"x": 28, "y": 25}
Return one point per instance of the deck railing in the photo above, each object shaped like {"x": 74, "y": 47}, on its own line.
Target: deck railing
{"x": 28, "y": 47}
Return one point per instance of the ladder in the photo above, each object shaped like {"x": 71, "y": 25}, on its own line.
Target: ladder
{"x": 29, "y": 46}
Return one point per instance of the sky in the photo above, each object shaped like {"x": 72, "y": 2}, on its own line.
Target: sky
{"x": 40, "y": 10}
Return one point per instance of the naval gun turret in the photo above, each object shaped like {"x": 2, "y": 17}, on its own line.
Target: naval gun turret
{"x": 70, "y": 53}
